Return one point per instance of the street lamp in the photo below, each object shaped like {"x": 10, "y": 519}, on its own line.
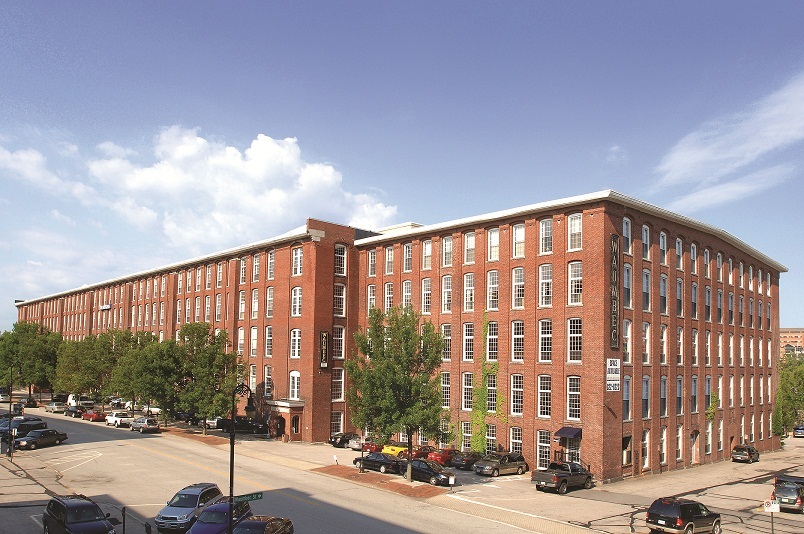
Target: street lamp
{"x": 242, "y": 390}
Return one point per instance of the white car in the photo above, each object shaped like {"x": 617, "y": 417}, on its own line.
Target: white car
{"x": 5, "y": 398}
{"x": 56, "y": 407}
{"x": 119, "y": 418}
{"x": 151, "y": 410}
{"x": 132, "y": 406}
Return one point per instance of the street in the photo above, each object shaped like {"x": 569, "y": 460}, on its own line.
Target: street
{"x": 141, "y": 472}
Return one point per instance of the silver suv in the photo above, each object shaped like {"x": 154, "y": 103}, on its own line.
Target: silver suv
{"x": 183, "y": 509}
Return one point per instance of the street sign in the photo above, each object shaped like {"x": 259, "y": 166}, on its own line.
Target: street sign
{"x": 772, "y": 505}
{"x": 248, "y": 497}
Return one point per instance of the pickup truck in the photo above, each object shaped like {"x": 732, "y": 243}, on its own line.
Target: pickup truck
{"x": 119, "y": 418}
{"x": 560, "y": 476}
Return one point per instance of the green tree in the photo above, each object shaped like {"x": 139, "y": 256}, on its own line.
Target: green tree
{"x": 210, "y": 373}
{"x": 31, "y": 350}
{"x": 393, "y": 383}
{"x": 789, "y": 394}
{"x": 160, "y": 370}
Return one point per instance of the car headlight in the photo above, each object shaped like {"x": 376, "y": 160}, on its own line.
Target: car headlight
{"x": 185, "y": 517}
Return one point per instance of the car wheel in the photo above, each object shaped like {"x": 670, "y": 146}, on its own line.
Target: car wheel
{"x": 47, "y": 529}
{"x": 117, "y": 424}
{"x": 562, "y": 488}
{"x": 383, "y": 469}
{"x": 519, "y": 470}
{"x": 142, "y": 430}
{"x": 131, "y": 427}
{"x": 405, "y": 474}
{"x": 400, "y": 454}
{"x": 495, "y": 473}
{"x": 433, "y": 481}
{"x": 750, "y": 460}
{"x": 58, "y": 442}
{"x": 587, "y": 484}
{"x": 716, "y": 528}
{"x": 757, "y": 457}
{"x": 32, "y": 446}
{"x": 689, "y": 530}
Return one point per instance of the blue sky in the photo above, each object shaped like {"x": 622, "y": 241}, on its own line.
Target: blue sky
{"x": 137, "y": 134}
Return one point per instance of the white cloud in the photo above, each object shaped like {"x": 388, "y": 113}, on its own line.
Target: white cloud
{"x": 725, "y": 146}
{"x": 616, "y": 154}
{"x": 57, "y": 216}
{"x": 112, "y": 150}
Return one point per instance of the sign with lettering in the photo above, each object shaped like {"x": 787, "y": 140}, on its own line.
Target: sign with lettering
{"x": 323, "y": 349}
{"x": 612, "y": 374}
{"x": 614, "y": 292}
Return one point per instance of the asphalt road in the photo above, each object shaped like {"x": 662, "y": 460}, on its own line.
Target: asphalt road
{"x": 119, "y": 468}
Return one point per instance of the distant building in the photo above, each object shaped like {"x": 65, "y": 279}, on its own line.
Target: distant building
{"x": 792, "y": 340}
{"x": 604, "y": 326}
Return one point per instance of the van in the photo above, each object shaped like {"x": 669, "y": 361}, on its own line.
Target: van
{"x": 80, "y": 400}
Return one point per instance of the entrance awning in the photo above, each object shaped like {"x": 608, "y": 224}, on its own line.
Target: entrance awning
{"x": 569, "y": 432}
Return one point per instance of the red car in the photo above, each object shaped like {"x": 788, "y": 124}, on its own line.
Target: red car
{"x": 92, "y": 415}
{"x": 442, "y": 456}
{"x": 370, "y": 446}
{"x": 418, "y": 452}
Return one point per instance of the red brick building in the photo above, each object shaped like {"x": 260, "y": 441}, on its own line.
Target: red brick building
{"x": 599, "y": 326}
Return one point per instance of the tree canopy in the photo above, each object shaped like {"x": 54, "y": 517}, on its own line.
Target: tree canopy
{"x": 789, "y": 407}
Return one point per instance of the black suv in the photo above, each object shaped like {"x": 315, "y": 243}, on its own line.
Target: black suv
{"x": 23, "y": 424}
{"x": 77, "y": 514}
{"x": 686, "y": 516}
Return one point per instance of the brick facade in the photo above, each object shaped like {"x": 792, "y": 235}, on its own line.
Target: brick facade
{"x": 587, "y": 312}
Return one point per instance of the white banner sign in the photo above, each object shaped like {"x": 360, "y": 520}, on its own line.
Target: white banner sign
{"x": 612, "y": 374}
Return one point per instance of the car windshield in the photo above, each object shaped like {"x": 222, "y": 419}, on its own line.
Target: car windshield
{"x": 183, "y": 500}
{"x": 664, "y": 508}
{"x": 35, "y": 433}
{"x": 84, "y": 513}
{"x": 214, "y": 517}
{"x": 787, "y": 491}
{"x": 435, "y": 466}
{"x": 492, "y": 457}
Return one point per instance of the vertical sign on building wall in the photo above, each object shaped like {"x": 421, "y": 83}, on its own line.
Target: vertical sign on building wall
{"x": 323, "y": 349}
{"x": 612, "y": 374}
{"x": 614, "y": 292}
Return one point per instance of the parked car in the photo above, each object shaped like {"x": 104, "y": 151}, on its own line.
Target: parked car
{"x": 119, "y": 418}
{"x": 40, "y": 438}
{"x": 29, "y": 402}
{"x": 93, "y": 415}
{"x": 191, "y": 418}
{"x": 210, "y": 422}
{"x": 242, "y": 424}
{"x": 5, "y": 397}
{"x": 74, "y": 411}
{"x": 356, "y": 444}
{"x": 418, "y": 452}
{"x": 465, "y": 460}
{"x": 80, "y": 400}
{"x": 144, "y": 424}
{"x": 396, "y": 449}
{"x": 56, "y": 407}
{"x": 798, "y": 431}
{"x": 132, "y": 406}
{"x": 669, "y": 514}
{"x": 264, "y": 524}
{"x": 214, "y": 519}
{"x": 75, "y": 513}
{"x": 183, "y": 508}
{"x": 744, "y": 453}
{"x": 790, "y": 496}
{"x": 428, "y": 471}
{"x": 442, "y": 456}
{"x": 150, "y": 409}
{"x": 562, "y": 475}
{"x": 340, "y": 439}
{"x": 496, "y": 464}
{"x": 371, "y": 446}
{"x": 23, "y": 425}
{"x": 378, "y": 461}
{"x": 59, "y": 397}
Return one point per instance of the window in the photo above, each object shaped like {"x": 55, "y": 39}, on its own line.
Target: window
{"x": 371, "y": 296}
{"x": 218, "y": 277}
{"x": 679, "y": 395}
{"x": 271, "y": 264}
{"x": 335, "y": 422}
{"x": 469, "y": 247}
{"x": 731, "y": 308}
{"x": 241, "y": 314}
{"x": 295, "y": 385}
{"x": 446, "y": 336}
{"x": 493, "y": 244}
{"x": 372, "y": 262}
{"x": 708, "y": 348}
{"x": 518, "y": 288}
{"x": 269, "y": 341}
{"x": 241, "y": 340}
{"x": 627, "y": 275}
{"x": 426, "y": 295}
{"x": 679, "y": 254}
{"x": 694, "y": 395}
{"x": 267, "y": 381}
{"x": 679, "y": 442}
{"x": 694, "y": 346}
{"x": 626, "y": 341}
{"x": 626, "y": 398}
{"x": 340, "y": 260}
{"x": 740, "y": 309}
{"x": 542, "y": 449}
{"x": 545, "y": 340}
{"x": 469, "y": 292}
{"x": 253, "y": 345}
{"x": 517, "y": 341}
{"x": 427, "y": 254}
{"x": 545, "y": 395}
{"x": 708, "y": 303}
{"x": 662, "y": 248}
{"x": 491, "y": 438}
{"x": 297, "y": 254}
{"x": 646, "y": 343}
{"x": 575, "y": 283}
{"x": 518, "y": 245}
{"x": 627, "y": 450}
{"x": 296, "y": 302}
{"x": 407, "y": 257}
{"x": 338, "y": 338}
{"x": 337, "y": 384}
{"x": 446, "y": 294}
{"x": 546, "y": 236}
{"x": 679, "y": 297}
{"x": 468, "y": 379}
{"x": 731, "y": 271}
{"x": 663, "y": 294}
{"x": 389, "y": 260}
{"x": 252, "y": 377}
{"x": 492, "y": 341}
{"x": 446, "y": 251}
{"x": 492, "y": 290}
{"x": 575, "y": 337}
{"x": 645, "y": 243}
{"x": 389, "y": 295}
{"x": 295, "y": 343}
{"x": 255, "y": 270}
{"x": 627, "y": 235}
{"x": 255, "y": 303}
{"x": 663, "y": 344}
{"x": 646, "y": 290}
{"x": 574, "y": 397}
{"x": 491, "y": 393}
{"x": 269, "y": 301}
{"x": 516, "y": 439}
{"x": 445, "y": 385}
{"x": 663, "y": 446}
{"x": 719, "y": 266}
{"x": 707, "y": 260}
{"x": 663, "y": 397}
{"x": 694, "y": 258}
{"x": 545, "y": 285}
{"x": 466, "y": 432}
{"x": 645, "y": 397}
{"x": 468, "y": 341}
{"x": 407, "y": 293}
{"x": 680, "y": 345}
{"x": 517, "y": 394}
{"x": 574, "y": 227}
{"x": 694, "y": 300}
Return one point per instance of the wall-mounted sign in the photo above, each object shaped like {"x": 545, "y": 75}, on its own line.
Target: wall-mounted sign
{"x": 612, "y": 374}
{"x": 105, "y": 307}
{"x": 614, "y": 292}
{"x": 323, "y": 349}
